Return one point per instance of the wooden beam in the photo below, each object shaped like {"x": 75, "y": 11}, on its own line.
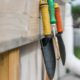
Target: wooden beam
{"x": 4, "y": 67}
{"x": 14, "y": 65}
{"x": 47, "y": 78}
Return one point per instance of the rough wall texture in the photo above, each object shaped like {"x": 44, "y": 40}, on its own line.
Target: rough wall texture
{"x": 19, "y": 23}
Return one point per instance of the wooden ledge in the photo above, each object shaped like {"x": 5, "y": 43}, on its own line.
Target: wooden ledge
{"x": 19, "y": 23}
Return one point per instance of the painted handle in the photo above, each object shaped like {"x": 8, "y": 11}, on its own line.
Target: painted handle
{"x": 58, "y": 18}
{"x": 45, "y": 20}
{"x": 52, "y": 11}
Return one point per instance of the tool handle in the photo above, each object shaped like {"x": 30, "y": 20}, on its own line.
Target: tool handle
{"x": 58, "y": 18}
{"x": 45, "y": 20}
{"x": 52, "y": 11}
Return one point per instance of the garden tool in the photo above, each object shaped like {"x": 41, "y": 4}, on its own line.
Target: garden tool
{"x": 60, "y": 30}
{"x": 46, "y": 42}
{"x": 51, "y": 11}
{"x": 53, "y": 26}
{"x": 49, "y": 56}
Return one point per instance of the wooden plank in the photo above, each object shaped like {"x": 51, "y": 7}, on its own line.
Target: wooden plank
{"x": 14, "y": 65}
{"x": 31, "y": 62}
{"x": 45, "y": 75}
{"x": 25, "y": 65}
{"x": 17, "y": 20}
{"x": 47, "y": 78}
{"x": 4, "y": 67}
{"x": 39, "y": 63}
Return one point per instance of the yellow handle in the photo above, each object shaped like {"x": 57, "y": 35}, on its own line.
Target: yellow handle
{"x": 45, "y": 20}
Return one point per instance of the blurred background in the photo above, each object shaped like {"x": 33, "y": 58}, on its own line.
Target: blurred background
{"x": 75, "y": 4}
{"x": 72, "y": 71}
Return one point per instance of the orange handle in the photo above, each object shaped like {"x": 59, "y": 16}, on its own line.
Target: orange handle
{"x": 58, "y": 19}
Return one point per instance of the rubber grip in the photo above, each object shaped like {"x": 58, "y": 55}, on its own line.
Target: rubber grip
{"x": 58, "y": 19}
{"x": 52, "y": 11}
{"x": 45, "y": 20}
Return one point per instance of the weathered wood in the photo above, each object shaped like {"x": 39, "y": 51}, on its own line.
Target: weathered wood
{"x": 4, "y": 66}
{"x": 19, "y": 23}
{"x": 47, "y": 78}
{"x": 14, "y": 65}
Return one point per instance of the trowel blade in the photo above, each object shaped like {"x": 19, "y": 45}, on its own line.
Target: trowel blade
{"x": 61, "y": 48}
{"x": 49, "y": 56}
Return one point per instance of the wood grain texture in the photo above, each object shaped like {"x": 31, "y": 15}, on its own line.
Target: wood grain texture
{"x": 47, "y": 78}
{"x": 45, "y": 74}
{"x": 4, "y": 67}
{"x": 31, "y": 62}
{"x": 14, "y": 65}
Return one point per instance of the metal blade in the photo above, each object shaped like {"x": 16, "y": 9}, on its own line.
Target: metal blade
{"x": 61, "y": 48}
{"x": 49, "y": 56}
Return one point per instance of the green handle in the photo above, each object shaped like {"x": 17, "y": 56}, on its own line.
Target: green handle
{"x": 51, "y": 11}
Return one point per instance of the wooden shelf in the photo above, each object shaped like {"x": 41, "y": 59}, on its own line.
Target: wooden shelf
{"x": 19, "y": 23}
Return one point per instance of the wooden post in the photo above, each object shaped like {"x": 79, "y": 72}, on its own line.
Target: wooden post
{"x": 9, "y": 65}
{"x": 47, "y": 78}
{"x": 45, "y": 74}
{"x": 14, "y": 65}
{"x": 4, "y": 67}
